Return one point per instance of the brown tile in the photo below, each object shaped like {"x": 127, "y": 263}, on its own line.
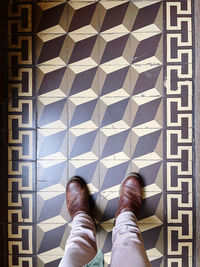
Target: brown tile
{"x": 21, "y": 82}
{"x": 174, "y": 12}
{"x": 51, "y": 204}
{"x": 115, "y": 112}
{"x": 114, "y": 142}
{"x": 83, "y": 113}
{"x": 51, "y": 49}
{"x": 52, "y": 144}
{"x": 156, "y": 262}
{"x": 146, "y": 146}
{"x": 114, "y": 81}
{"x": 153, "y": 238}
{"x": 21, "y": 207}
{"x": 24, "y": 45}
{"x": 179, "y": 176}
{"x": 173, "y": 85}
{"x": 21, "y": 176}
{"x": 184, "y": 57}
{"x": 149, "y": 11}
{"x": 83, "y": 145}
{"x": 147, "y": 112}
{"x": 83, "y": 17}
{"x": 83, "y": 81}
{"x": 51, "y": 81}
{"x": 48, "y": 232}
{"x": 112, "y": 174}
{"x": 25, "y": 16}
{"x": 88, "y": 171}
{"x": 108, "y": 206}
{"x": 152, "y": 204}
{"x": 180, "y": 146}
{"x": 50, "y": 18}
{"x": 147, "y": 48}
{"x": 21, "y": 113}
{"x": 147, "y": 83}
{"x": 14, "y": 259}
{"x": 151, "y": 172}
{"x": 112, "y": 14}
{"x": 177, "y": 203}
{"x": 185, "y": 260}
{"x": 51, "y": 186}
{"x": 114, "y": 49}
{"x": 24, "y": 238}
{"x": 52, "y": 113}
{"x": 176, "y": 115}
{"x": 52, "y": 260}
{"x": 82, "y": 49}
{"x": 21, "y": 144}
{"x": 52, "y": 171}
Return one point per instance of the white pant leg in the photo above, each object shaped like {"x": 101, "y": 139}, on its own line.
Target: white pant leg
{"x": 81, "y": 245}
{"x": 128, "y": 248}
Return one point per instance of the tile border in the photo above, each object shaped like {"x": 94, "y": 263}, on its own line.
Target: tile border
{"x": 179, "y": 164}
{"x": 21, "y": 136}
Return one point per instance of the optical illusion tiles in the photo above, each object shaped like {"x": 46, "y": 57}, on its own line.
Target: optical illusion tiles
{"x": 103, "y": 88}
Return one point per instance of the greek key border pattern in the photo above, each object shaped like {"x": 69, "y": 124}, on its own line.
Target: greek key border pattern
{"x": 179, "y": 133}
{"x": 21, "y": 135}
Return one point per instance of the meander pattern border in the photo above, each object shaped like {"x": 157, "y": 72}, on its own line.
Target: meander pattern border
{"x": 179, "y": 133}
{"x": 21, "y": 135}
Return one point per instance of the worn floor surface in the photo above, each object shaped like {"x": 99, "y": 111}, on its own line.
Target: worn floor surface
{"x": 99, "y": 89}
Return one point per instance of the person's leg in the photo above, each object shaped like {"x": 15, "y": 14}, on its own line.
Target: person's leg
{"x": 128, "y": 248}
{"x": 81, "y": 245}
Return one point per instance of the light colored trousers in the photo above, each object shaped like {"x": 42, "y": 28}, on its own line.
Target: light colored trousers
{"x": 128, "y": 249}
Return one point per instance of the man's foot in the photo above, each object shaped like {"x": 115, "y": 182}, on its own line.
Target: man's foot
{"x": 130, "y": 194}
{"x": 77, "y": 197}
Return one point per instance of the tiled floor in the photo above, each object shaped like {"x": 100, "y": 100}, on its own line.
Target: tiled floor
{"x": 99, "y": 89}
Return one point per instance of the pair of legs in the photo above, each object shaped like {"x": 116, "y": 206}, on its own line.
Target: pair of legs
{"x": 128, "y": 248}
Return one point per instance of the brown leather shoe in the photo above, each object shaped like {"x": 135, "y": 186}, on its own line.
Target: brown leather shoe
{"x": 130, "y": 194}
{"x": 77, "y": 197}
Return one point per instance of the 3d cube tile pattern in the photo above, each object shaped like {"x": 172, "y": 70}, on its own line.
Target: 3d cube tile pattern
{"x": 113, "y": 93}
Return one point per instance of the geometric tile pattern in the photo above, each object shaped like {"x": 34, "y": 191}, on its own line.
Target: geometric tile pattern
{"x": 100, "y": 100}
{"x": 179, "y": 134}
{"x": 21, "y": 137}
{"x": 112, "y": 92}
